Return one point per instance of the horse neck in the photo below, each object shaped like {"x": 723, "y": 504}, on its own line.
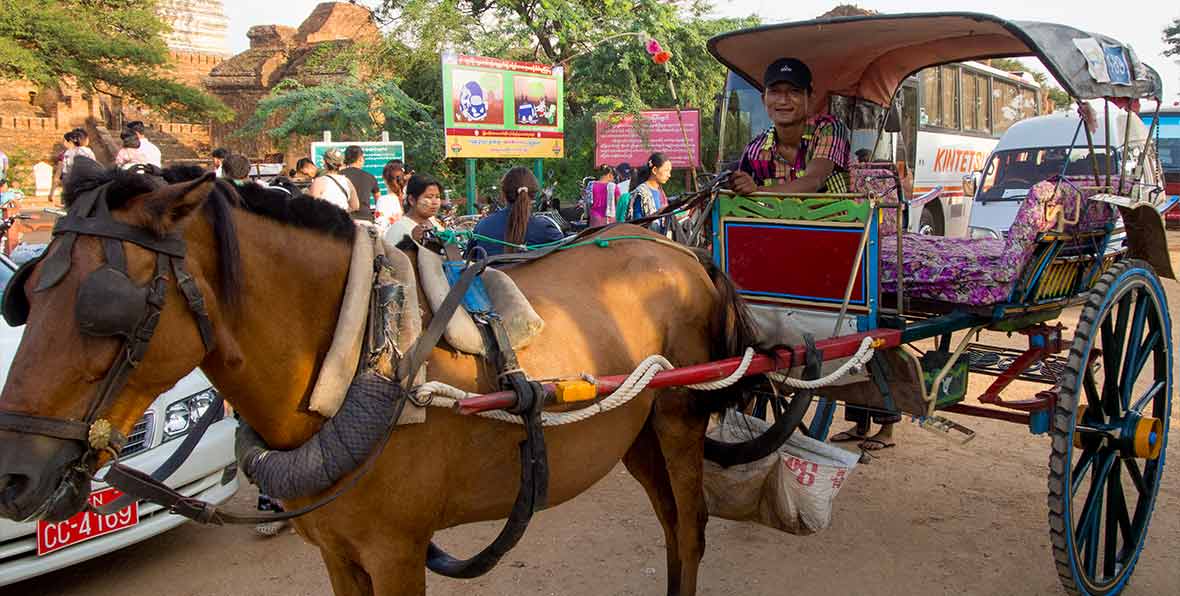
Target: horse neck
{"x": 292, "y": 284}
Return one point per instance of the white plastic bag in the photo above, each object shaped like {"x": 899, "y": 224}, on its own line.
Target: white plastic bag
{"x": 791, "y": 490}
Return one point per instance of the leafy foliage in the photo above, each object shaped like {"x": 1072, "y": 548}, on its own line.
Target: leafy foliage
{"x": 112, "y": 46}
{"x": 1058, "y": 96}
{"x": 1172, "y": 38}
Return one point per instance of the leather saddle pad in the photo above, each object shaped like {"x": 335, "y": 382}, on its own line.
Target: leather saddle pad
{"x": 520, "y": 320}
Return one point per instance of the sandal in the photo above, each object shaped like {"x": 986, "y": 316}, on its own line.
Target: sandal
{"x": 871, "y": 444}
{"x": 846, "y": 437}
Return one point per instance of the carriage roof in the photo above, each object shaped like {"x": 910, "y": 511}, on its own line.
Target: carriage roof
{"x": 869, "y": 56}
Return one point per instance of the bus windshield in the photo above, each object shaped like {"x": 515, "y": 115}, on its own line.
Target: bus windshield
{"x": 1010, "y": 174}
{"x": 743, "y": 117}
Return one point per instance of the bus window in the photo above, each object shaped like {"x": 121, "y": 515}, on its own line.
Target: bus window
{"x": 975, "y": 104}
{"x": 1006, "y": 104}
{"x": 929, "y": 114}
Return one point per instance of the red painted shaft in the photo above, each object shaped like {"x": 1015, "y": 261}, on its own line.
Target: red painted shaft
{"x": 834, "y": 348}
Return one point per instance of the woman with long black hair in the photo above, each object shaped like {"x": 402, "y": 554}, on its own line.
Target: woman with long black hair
{"x": 647, "y": 188}
{"x": 516, "y": 224}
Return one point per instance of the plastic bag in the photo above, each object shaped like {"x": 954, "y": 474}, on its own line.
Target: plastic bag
{"x": 791, "y": 490}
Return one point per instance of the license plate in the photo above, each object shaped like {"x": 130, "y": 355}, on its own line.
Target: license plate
{"x": 54, "y": 536}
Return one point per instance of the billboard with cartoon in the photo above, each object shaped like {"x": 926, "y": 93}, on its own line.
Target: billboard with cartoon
{"x": 502, "y": 108}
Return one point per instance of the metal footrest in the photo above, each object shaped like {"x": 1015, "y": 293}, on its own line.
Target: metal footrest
{"x": 947, "y": 429}
{"x": 994, "y": 360}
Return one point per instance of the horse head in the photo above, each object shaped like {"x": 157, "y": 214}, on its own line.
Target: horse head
{"x": 106, "y": 285}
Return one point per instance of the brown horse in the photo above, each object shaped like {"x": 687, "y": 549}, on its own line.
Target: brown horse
{"x": 273, "y": 273}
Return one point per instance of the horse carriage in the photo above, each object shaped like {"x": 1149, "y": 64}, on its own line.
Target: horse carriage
{"x": 839, "y": 292}
{"x": 919, "y": 301}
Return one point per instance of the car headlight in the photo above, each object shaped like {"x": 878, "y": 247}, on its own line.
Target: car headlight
{"x": 182, "y": 415}
{"x": 978, "y": 233}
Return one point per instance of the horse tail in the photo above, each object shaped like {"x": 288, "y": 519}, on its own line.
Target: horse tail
{"x": 731, "y": 331}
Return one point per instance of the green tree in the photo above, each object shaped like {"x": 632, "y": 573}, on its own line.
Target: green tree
{"x": 1172, "y": 38}
{"x": 612, "y": 76}
{"x": 111, "y": 46}
{"x": 1058, "y": 96}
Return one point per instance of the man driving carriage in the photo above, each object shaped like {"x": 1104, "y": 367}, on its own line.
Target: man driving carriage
{"x": 804, "y": 153}
{"x": 800, "y": 152}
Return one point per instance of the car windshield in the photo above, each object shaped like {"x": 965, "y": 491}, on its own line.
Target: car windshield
{"x": 1009, "y": 174}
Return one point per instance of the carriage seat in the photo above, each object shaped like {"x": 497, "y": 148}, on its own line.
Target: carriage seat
{"x": 982, "y": 272}
{"x": 492, "y": 291}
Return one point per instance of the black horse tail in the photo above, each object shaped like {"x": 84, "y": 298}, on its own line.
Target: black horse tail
{"x": 731, "y": 330}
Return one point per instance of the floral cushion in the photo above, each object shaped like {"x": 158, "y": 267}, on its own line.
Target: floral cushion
{"x": 984, "y": 271}
{"x": 878, "y": 178}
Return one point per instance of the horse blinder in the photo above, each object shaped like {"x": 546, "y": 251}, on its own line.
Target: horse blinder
{"x": 15, "y": 305}
{"x": 109, "y": 304}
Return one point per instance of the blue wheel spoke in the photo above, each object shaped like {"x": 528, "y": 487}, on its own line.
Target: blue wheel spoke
{"x": 1087, "y": 528}
{"x": 1080, "y": 469}
{"x": 1136, "y": 477}
{"x": 1148, "y": 396}
{"x": 1114, "y": 491}
{"x": 1133, "y": 362}
{"x": 1090, "y": 385}
{"x": 1113, "y": 342}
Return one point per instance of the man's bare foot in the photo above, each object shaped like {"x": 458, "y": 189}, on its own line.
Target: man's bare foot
{"x": 882, "y": 440}
{"x": 856, "y": 433}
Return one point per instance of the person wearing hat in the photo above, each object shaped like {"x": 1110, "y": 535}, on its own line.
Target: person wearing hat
{"x": 801, "y": 152}
{"x": 332, "y": 186}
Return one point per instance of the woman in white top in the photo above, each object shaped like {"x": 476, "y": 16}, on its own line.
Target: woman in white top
{"x": 77, "y": 143}
{"x": 423, "y": 199}
{"x": 389, "y": 206}
{"x": 332, "y": 186}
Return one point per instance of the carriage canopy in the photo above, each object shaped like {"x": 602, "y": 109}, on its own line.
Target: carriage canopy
{"x": 869, "y": 56}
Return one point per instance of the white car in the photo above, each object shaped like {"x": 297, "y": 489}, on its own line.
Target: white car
{"x": 1037, "y": 148}
{"x": 210, "y": 473}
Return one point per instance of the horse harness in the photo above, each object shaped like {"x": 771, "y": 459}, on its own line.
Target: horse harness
{"x": 108, "y": 304}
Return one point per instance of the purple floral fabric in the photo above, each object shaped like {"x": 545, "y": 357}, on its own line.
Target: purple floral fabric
{"x": 881, "y": 180}
{"x": 984, "y": 271}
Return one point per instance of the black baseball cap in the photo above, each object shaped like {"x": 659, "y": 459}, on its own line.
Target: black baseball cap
{"x": 787, "y": 70}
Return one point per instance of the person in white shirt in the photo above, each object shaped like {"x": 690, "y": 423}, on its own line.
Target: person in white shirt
{"x": 150, "y": 152}
{"x": 77, "y": 144}
{"x": 332, "y": 186}
{"x": 389, "y": 206}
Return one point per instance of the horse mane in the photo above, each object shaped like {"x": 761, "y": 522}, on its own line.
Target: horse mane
{"x": 297, "y": 210}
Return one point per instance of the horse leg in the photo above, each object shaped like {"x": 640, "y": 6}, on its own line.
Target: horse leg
{"x": 348, "y": 578}
{"x": 646, "y": 464}
{"x": 680, "y": 430}
{"x": 398, "y": 566}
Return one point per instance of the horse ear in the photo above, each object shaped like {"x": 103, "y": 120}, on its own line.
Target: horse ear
{"x": 167, "y": 207}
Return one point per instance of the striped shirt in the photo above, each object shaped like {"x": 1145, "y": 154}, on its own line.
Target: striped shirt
{"x": 824, "y": 137}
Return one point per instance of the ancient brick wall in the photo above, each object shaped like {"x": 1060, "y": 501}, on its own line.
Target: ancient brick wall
{"x": 190, "y": 68}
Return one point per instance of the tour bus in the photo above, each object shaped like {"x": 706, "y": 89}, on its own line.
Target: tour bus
{"x": 951, "y": 117}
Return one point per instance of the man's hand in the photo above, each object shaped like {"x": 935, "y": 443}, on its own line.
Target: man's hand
{"x": 742, "y": 183}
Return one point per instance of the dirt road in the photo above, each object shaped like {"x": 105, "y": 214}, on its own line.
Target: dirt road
{"x": 925, "y": 518}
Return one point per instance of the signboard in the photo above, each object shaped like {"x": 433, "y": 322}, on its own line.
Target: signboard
{"x": 377, "y": 154}
{"x": 619, "y": 138}
{"x": 502, "y": 108}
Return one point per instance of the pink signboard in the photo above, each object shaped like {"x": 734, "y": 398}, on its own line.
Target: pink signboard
{"x": 620, "y": 139}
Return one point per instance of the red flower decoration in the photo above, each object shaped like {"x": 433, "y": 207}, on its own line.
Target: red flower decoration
{"x": 653, "y": 47}
{"x": 662, "y": 57}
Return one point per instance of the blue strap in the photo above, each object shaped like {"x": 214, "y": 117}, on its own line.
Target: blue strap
{"x": 476, "y": 300}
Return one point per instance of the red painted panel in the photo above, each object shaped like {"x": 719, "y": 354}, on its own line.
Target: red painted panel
{"x": 797, "y": 260}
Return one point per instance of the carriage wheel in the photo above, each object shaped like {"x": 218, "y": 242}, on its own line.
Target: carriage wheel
{"x": 1110, "y": 430}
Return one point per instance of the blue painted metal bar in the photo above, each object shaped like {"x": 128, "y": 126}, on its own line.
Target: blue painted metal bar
{"x": 821, "y": 423}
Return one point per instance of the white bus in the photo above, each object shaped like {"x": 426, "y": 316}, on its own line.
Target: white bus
{"x": 951, "y": 117}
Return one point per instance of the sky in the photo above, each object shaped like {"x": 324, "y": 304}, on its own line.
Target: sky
{"x": 1136, "y": 24}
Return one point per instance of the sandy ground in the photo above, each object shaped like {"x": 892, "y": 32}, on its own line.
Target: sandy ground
{"x": 925, "y": 518}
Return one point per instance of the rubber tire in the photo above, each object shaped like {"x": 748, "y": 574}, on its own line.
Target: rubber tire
{"x": 1065, "y": 420}
{"x": 931, "y": 221}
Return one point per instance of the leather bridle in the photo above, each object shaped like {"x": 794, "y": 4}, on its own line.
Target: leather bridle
{"x": 108, "y": 304}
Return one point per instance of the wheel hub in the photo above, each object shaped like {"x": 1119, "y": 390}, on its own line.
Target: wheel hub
{"x": 1142, "y": 436}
